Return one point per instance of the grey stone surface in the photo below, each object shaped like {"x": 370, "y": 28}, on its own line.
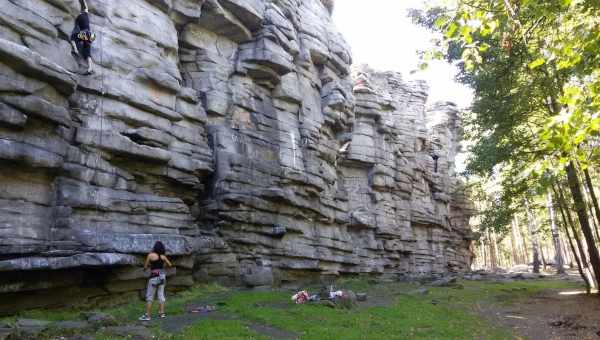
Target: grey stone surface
{"x": 444, "y": 282}
{"x": 235, "y": 131}
{"x": 99, "y": 319}
{"x": 26, "y": 323}
{"x": 129, "y": 332}
{"x": 70, "y": 325}
{"x": 25, "y": 328}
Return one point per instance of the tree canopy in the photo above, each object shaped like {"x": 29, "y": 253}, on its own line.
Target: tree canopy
{"x": 535, "y": 70}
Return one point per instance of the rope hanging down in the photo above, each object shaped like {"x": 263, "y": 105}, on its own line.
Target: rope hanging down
{"x": 99, "y": 146}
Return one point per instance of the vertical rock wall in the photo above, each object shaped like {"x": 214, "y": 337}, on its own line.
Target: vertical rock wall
{"x": 233, "y": 131}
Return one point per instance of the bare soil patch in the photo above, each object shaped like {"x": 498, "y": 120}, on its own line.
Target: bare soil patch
{"x": 551, "y": 314}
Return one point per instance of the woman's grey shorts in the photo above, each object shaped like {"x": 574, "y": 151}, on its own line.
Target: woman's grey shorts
{"x": 156, "y": 285}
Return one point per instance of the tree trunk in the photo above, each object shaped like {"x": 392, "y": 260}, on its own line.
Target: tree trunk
{"x": 558, "y": 258}
{"x": 575, "y": 187}
{"x": 576, "y": 235}
{"x": 533, "y": 231}
{"x": 493, "y": 257}
{"x": 513, "y": 244}
{"x": 590, "y": 187}
{"x": 525, "y": 253}
{"x": 497, "y": 252}
{"x": 544, "y": 262}
{"x": 565, "y": 206}
{"x": 483, "y": 254}
{"x": 566, "y": 223}
{"x": 567, "y": 256}
{"x": 590, "y": 210}
{"x": 569, "y": 227}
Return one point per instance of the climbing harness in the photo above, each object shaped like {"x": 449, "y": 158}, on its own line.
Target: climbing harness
{"x": 87, "y": 36}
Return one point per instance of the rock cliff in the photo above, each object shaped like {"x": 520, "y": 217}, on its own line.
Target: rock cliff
{"x": 234, "y": 131}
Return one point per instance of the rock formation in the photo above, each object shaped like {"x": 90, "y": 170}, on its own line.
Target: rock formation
{"x": 233, "y": 131}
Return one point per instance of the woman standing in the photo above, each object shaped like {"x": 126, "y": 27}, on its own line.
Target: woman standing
{"x": 156, "y": 261}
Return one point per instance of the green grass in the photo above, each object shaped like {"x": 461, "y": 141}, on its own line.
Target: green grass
{"x": 495, "y": 292}
{"x": 175, "y": 303}
{"x": 223, "y": 329}
{"x": 124, "y": 311}
{"x": 394, "y": 311}
{"x": 444, "y": 313}
{"x": 413, "y": 317}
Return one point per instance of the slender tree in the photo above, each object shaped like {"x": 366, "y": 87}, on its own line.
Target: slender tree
{"x": 580, "y": 245}
{"x": 525, "y": 253}
{"x": 590, "y": 189}
{"x": 584, "y": 222}
{"x": 533, "y": 232}
{"x": 513, "y": 244}
{"x": 578, "y": 260}
{"x": 555, "y": 237}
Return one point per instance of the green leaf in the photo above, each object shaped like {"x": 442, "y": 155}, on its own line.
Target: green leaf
{"x": 451, "y": 30}
{"x": 465, "y": 31}
{"x": 440, "y": 22}
{"x": 536, "y": 63}
{"x": 566, "y": 3}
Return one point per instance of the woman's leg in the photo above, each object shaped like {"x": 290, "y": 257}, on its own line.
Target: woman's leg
{"x": 161, "y": 299}
{"x": 150, "y": 291}
{"x": 149, "y": 308}
{"x": 86, "y": 53}
{"x": 90, "y": 64}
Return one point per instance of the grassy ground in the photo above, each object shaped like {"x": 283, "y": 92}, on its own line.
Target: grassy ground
{"x": 394, "y": 311}
{"x": 223, "y": 329}
{"x": 125, "y": 312}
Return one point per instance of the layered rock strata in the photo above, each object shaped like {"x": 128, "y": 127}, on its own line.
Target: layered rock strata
{"x": 232, "y": 130}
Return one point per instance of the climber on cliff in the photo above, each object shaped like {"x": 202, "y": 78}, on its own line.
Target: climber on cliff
{"x": 156, "y": 261}
{"x": 82, "y": 38}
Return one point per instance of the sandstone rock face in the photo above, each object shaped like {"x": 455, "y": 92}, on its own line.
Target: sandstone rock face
{"x": 232, "y": 130}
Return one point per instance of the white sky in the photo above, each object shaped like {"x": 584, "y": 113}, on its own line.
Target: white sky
{"x": 381, "y": 35}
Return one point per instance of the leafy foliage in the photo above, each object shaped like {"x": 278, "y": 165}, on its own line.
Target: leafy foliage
{"x": 535, "y": 69}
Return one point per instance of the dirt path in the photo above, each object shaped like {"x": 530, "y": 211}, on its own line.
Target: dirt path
{"x": 553, "y": 314}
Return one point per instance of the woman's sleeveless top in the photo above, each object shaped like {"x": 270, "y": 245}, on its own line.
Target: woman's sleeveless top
{"x": 158, "y": 264}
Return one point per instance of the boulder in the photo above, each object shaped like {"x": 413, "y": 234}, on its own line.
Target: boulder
{"x": 258, "y": 276}
{"x": 444, "y": 282}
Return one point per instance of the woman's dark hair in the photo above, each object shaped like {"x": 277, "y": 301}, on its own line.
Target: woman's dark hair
{"x": 159, "y": 248}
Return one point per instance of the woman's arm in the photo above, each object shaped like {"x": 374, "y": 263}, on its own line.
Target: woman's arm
{"x": 84, "y": 6}
{"x": 147, "y": 263}
{"x": 166, "y": 259}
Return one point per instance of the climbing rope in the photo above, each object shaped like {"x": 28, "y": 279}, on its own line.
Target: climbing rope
{"x": 99, "y": 146}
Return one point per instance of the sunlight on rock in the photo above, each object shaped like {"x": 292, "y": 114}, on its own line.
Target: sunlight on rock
{"x": 573, "y": 292}
{"x": 516, "y": 317}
